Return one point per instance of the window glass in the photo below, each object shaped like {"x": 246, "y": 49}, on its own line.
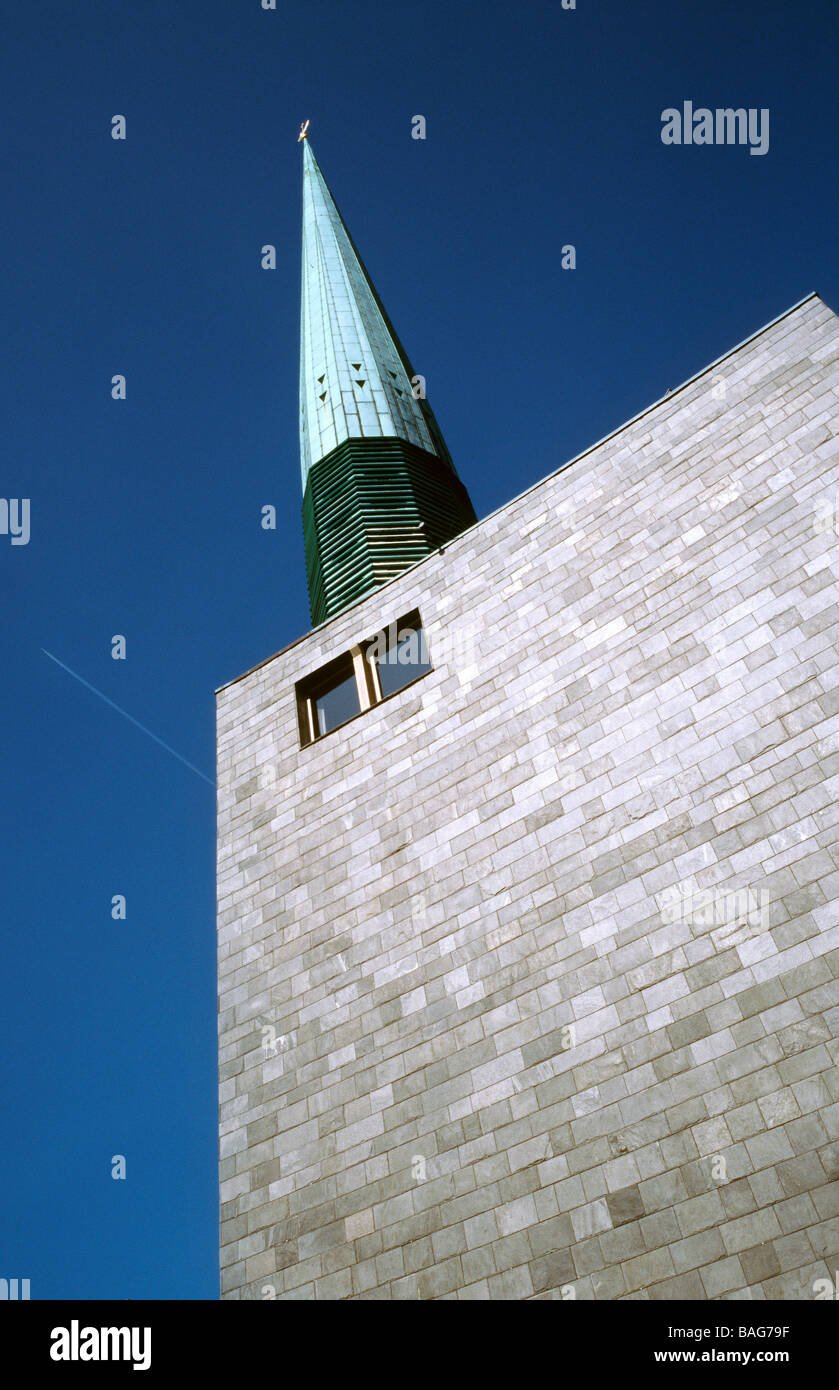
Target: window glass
{"x": 404, "y": 661}
{"x": 358, "y": 679}
{"x": 337, "y": 705}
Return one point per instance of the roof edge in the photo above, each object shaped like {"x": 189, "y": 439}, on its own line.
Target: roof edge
{"x": 668, "y": 396}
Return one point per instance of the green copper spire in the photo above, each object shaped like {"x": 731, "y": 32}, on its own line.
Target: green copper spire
{"x": 380, "y": 490}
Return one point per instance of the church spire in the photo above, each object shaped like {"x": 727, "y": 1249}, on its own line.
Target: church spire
{"x": 380, "y": 489}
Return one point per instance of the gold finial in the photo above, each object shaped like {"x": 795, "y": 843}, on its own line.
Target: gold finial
{"x": 303, "y": 136}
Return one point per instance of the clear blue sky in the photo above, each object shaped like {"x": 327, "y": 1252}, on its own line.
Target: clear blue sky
{"x": 142, "y": 257}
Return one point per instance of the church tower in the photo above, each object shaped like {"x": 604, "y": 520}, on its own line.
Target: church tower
{"x": 528, "y": 853}
{"x": 379, "y": 489}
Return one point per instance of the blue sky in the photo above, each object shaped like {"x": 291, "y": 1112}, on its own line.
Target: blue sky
{"x": 142, "y": 257}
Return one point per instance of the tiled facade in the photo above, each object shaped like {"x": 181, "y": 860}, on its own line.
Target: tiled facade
{"x": 495, "y": 1021}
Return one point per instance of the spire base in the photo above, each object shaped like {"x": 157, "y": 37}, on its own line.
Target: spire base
{"x": 371, "y": 509}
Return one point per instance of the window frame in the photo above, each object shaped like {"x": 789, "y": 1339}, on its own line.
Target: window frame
{"x": 412, "y": 622}
{"x": 355, "y": 661}
{"x": 320, "y": 683}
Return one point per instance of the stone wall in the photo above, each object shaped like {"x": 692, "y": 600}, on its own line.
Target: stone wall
{"x": 548, "y": 942}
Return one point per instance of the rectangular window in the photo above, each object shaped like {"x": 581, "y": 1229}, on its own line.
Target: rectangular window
{"x": 337, "y": 705}
{"x": 363, "y": 677}
{"x": 328, "y": 699}
{"x": 398, "y": 655}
